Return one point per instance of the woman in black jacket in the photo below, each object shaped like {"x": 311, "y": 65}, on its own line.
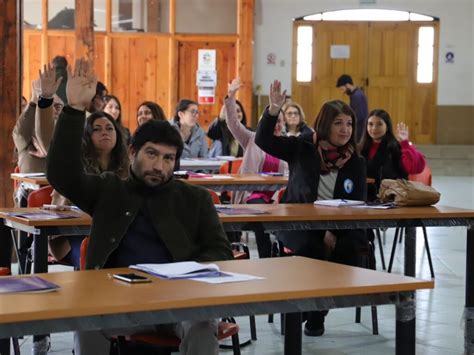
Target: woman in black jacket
{"x": 323, "y": 165}
{"x": 223, "y": 142}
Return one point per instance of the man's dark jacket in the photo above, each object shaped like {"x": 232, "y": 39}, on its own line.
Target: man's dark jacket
{"x": 183, "y": 215}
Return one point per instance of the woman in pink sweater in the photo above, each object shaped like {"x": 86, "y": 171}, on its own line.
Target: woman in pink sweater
{"x": 254, "y": 161}
{"x": 388, "y": 155}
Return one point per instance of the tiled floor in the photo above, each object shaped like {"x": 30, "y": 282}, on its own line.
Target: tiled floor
{"x": 439, "y": 311}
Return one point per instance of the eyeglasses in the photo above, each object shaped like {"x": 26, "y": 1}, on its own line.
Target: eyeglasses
{"x": 292, "y": 113}
{"x": 193, "y": 112}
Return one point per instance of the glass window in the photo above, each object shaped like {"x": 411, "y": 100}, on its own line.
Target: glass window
{"x": 140, "y": 15}
{"x": 367, "y": 15}
{"x": 99, "y": 15}
{"x": 32, "y": 10}
{"x": 206, "y": 16}
{"x": 304, "y": 53}
{"x": 61, "y": 14}
{"x": 424, "y": 70}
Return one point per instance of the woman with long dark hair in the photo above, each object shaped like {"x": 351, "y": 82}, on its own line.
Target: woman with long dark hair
{"x": 223, "y": 142}
{"x": 114, "y": 108}
{"x": 323, "y": 165}
{"x": 149, "y": 110}
{"x": 388, "y": 154}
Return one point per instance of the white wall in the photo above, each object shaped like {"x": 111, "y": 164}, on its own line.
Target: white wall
{"x": 273, "y": 34}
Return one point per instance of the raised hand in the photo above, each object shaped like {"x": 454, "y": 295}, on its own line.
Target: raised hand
{"x": 233, "y": 87}
{"x": 81, "y": 85}
{"x": 402, "y": 132}
{"x": 277, "y": 98}
{"x": 48, "y": 83}
{"x": 35, "y": 90}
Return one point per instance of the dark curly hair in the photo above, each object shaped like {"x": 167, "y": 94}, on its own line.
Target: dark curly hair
{"x": 119, "y": 162}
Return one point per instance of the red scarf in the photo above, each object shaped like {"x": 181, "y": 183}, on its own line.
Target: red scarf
{"x": 332, "y": 157}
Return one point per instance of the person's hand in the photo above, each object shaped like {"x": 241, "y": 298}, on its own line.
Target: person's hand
{"x": 233, "y": 87}
{"x": 277, "y": 98}
{"x": 81, "y": 85}
{"x": 402, "y": 132}
{"x": 48, "y": 83}
{"x": 35, "y": 90}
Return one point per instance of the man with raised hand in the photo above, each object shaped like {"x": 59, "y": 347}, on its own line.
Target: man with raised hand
{"x": 148, "y": 218}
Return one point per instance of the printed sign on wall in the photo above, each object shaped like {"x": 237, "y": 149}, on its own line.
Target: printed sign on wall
{"x": 206, "y": 76}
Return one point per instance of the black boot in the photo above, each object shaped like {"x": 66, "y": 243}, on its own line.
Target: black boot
{"x": 314, "y": 326}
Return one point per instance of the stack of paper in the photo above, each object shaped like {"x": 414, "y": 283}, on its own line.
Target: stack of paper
{"x": 179, "y": 270}
{"x": 338, "y": 203}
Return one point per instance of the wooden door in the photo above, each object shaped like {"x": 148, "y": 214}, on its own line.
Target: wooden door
{"x": 326, "y": 70}
{"x": 391, "y": 69}
{"x": 383, "y": 61}
{"x": 188, "y": 65}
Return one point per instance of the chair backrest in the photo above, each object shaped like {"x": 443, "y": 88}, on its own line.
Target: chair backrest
{"x": 425, "y": 176}
{"x": 40, "y": 197}
{"x": 231, "y": 167}
{"x": 215, "y": 197}
{"x": 281, "y": 192}
{"x": 83, "y": 253}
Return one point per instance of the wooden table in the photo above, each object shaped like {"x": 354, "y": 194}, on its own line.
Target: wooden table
{"x": 240, "y": 182}
{"x": 92, "y": 300}
{"x": 309, "y": 217}
{"x": 200, "y": 164}
{"x": 30, "y": 182}
{"x": 218, "y": 182}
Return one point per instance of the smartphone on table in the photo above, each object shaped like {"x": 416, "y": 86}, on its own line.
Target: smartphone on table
{"x": 131, "y": 278}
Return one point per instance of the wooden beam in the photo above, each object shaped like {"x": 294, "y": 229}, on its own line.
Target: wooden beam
{"x": 245, "y": 16}
{"x": 10, "y": 90}
{"x": 84, "y": 29}
{"x": 153, "y": 16}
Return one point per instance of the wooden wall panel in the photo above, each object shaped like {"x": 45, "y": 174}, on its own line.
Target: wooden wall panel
{"x": 10, "y": 93}
{"x": 163, "y": 79}
{"x": 188, "y": 64}
{"x": 61, "y": 43}
{"x": 99, "y": 58}
{"x": 31, "y": 59}
{"x": 120, "y": 64}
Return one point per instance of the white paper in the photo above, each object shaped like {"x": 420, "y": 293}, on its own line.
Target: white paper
{"x": 179, "y": 270}
{"x": 226, "y": 277}
{"x": 338, "y": 203}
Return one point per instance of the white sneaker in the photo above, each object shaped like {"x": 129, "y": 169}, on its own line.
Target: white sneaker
{"x": 41, "y": 347}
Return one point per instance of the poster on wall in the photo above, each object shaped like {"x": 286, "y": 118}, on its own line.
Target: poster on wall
{"x": 206, "y": 76}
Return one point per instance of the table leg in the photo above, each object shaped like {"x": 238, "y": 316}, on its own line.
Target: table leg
{"x": 469, "y": 306}
{"x": 40, "y": 254}
{"x": 293, "y": 333}
{"x": 410, "y": 251}
{"x": 5, "y": 346}
{"x": 405, "y": 326}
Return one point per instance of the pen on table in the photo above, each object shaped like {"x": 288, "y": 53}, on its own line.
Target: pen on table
{"x": 58, "y": 207}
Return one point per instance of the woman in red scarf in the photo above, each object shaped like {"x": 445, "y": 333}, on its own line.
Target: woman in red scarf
{"x": 323, "y": 165}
